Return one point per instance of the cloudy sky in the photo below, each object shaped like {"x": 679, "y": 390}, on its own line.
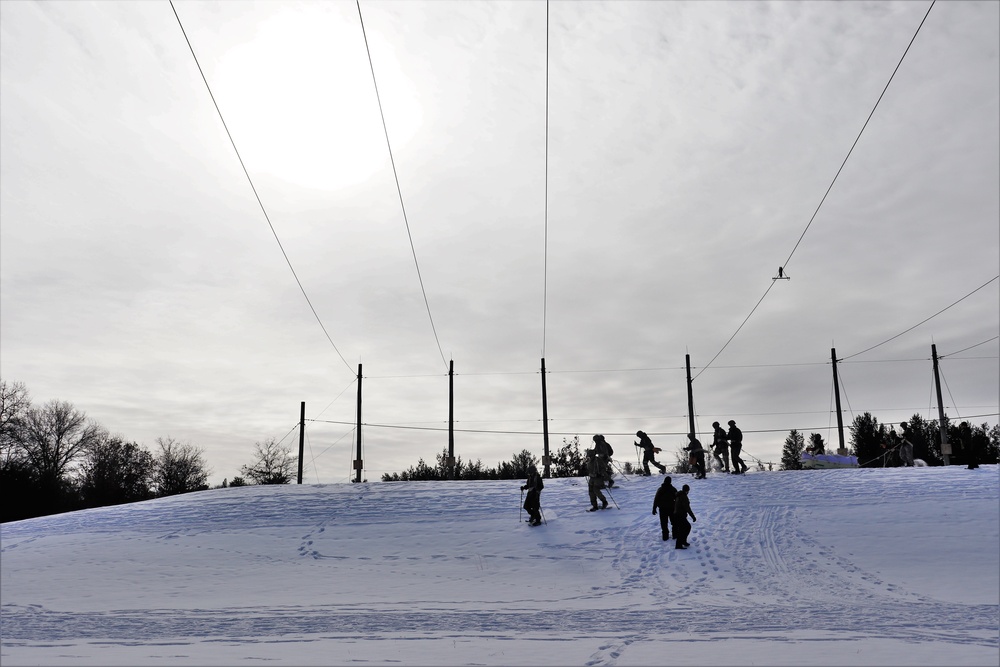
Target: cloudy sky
{"x": 631, "y": 211}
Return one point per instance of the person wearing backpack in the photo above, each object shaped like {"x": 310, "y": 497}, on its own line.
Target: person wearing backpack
{"x": 604, "y": 452}
{"x": 595, "y": 480}
{"x": 533, "y": 501}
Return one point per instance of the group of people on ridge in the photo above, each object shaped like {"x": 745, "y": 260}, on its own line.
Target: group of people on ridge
{"x": 725, "y": 446}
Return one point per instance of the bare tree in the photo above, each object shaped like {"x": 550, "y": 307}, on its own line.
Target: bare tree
{"x": 273, "y": 463}
{"x": 55, "y": 436}
{"x": 180, "y": 468}
{"x": 14, "y": 406}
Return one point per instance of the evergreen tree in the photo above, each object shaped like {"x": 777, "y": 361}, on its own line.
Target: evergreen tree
{"x": 867, "y": 436}
{"x": 791, "y": 453}
{"x": 568, "y": 461}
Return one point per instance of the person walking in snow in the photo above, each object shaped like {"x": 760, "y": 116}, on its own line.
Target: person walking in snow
{"x": 682, "y": 510}
{"x": 595, "y": 480}
{"x": 533, "y": 501}
{"x": 720, "y": 446}
{"x": 968, "y": 445}
{"x": 604, "y": 451}
{"x": 906, "y": 445}
{"x": 664, "y": 502}
{"x": 697, "y": 454}
{"x": 648, "y": 454}
{"x": 735, "y": 436}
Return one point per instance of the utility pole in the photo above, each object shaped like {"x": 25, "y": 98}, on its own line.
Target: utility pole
{"x": 358, "y": 463}
{"x": 302, "y": 436}
{"x": 945, "y": 445}
{"x": 687, "y": 362}
{"x": 451, "y": 419}
{"x": 836, "y": 392}
{"x": 546, "y": 459}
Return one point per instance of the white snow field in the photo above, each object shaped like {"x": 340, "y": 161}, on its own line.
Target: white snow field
{"x": 838, "y": 567}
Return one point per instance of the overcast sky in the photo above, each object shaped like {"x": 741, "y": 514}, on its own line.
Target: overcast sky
{"x": 689, "y": 146}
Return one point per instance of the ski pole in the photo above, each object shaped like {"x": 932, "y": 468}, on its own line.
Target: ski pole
{"x": 521, "y": 507}
{"x": 543, "y": 516}
{"x": 638, "y": 463}
{"x": 608, "y": 491}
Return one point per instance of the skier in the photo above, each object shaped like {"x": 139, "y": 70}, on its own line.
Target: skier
{"x": 532, "y": 502}
{"x": 698, "y": 454}
{"x": 604, "y": 451}
{"x": 968, "y": 447}
{"x": 648, "y": 451}
{"x": 735, "y": 436}
{"x": 664, "y": 501}
{"x": 720, "y": 446}
{"x": 906, "y": 445}
{"x": 682, "y": 527}
{"x": 595, "y": 480}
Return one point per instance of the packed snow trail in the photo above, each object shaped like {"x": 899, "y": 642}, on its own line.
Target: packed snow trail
{"x": 850, "y": 559}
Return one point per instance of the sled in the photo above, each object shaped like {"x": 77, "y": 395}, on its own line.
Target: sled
{"x": 827, "y": 461}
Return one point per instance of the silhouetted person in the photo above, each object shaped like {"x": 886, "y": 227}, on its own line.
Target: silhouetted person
{"x": 720, "y": 446}
{"x": 533, "y": 501}
{"x": 595, "y": 480}
{"x": 968, "y": 447}
{"x": 735, "y": 436}
{"x": 604, "y": 451}
{"x": 682, "y": 509}
{"x": 781, "y": 272}
{"x": 648, "y": 452}
{"x": 664, "y": 501}
{"x": 906, "y": 445}
{"x": 698, "y": 454}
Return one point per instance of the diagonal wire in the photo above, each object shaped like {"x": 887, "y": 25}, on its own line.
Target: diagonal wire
{"x": 964, "y": 349}
{"x": 252, "y": 187}
{"x": 836, "y": 176}
{"x": 925, "y": 320}
{"x": 399, "y": 191}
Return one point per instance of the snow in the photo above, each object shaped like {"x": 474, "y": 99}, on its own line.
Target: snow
{"x": 895, "y": 566}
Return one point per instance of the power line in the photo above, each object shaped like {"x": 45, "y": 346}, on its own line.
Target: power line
{"x": 926, "y": 320}
{"x": 399, "y": 190}
{"x": 252, "y": 187}
{"x": 836, "y": 176}
{"x": 942, "y": 356}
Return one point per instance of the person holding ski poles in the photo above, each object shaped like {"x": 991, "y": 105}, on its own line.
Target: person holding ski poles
{"x": 664, "y": 501}
{"x": 532, "y": 503}
{"x": 595, "y": 480}
{"x": 604, "y": 452}
{"x": 648, "y": 452}
{"x": 720, "y": 446}
{"x": 735, "y": 436}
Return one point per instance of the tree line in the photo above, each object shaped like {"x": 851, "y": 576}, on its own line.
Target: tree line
{"x": 54, "y": 459}
{"x": 875, "y": 444}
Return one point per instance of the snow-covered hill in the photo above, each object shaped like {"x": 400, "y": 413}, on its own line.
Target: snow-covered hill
{"x": 854, "y": 567}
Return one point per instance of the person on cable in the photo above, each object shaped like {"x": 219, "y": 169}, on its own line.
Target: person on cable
{"x": 697, "y": 455}
{"x": 604, "y": 451}
{"x": 664, "y": 501}
{"x": 648, "y": 452}
{"x": 735, "y": 436}
{"x": 532, "y": 502}
{"x": 595, "y": 480}
{"x": 682, "y": 509}
{"x": 720, "y": 446}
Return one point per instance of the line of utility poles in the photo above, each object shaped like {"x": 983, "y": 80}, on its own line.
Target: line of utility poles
{"x": 358, "y": 462}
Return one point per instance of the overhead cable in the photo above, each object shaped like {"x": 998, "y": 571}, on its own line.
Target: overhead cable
{"x": 784, "y": 265}
{"x": 925, "y": 320}
{"x": 252, "y": 187}
{"x": 399, "y": 190}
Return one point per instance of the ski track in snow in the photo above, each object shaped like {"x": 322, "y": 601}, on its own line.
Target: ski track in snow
{"x": 753, "y": 566}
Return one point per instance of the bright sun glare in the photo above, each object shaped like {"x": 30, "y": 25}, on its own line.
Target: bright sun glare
{"x": 299, "y": 100}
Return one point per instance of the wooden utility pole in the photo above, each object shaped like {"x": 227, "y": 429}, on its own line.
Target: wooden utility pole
{"x": 942, "y": 419}
{"x": 451, "y": 419}
{"x": 836, "y": 392}
{"x": 687, "y": 362}
{"x": 302, "y": 436}
{"x": 546, "y": 459}
{"x": 358, "y": 463}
